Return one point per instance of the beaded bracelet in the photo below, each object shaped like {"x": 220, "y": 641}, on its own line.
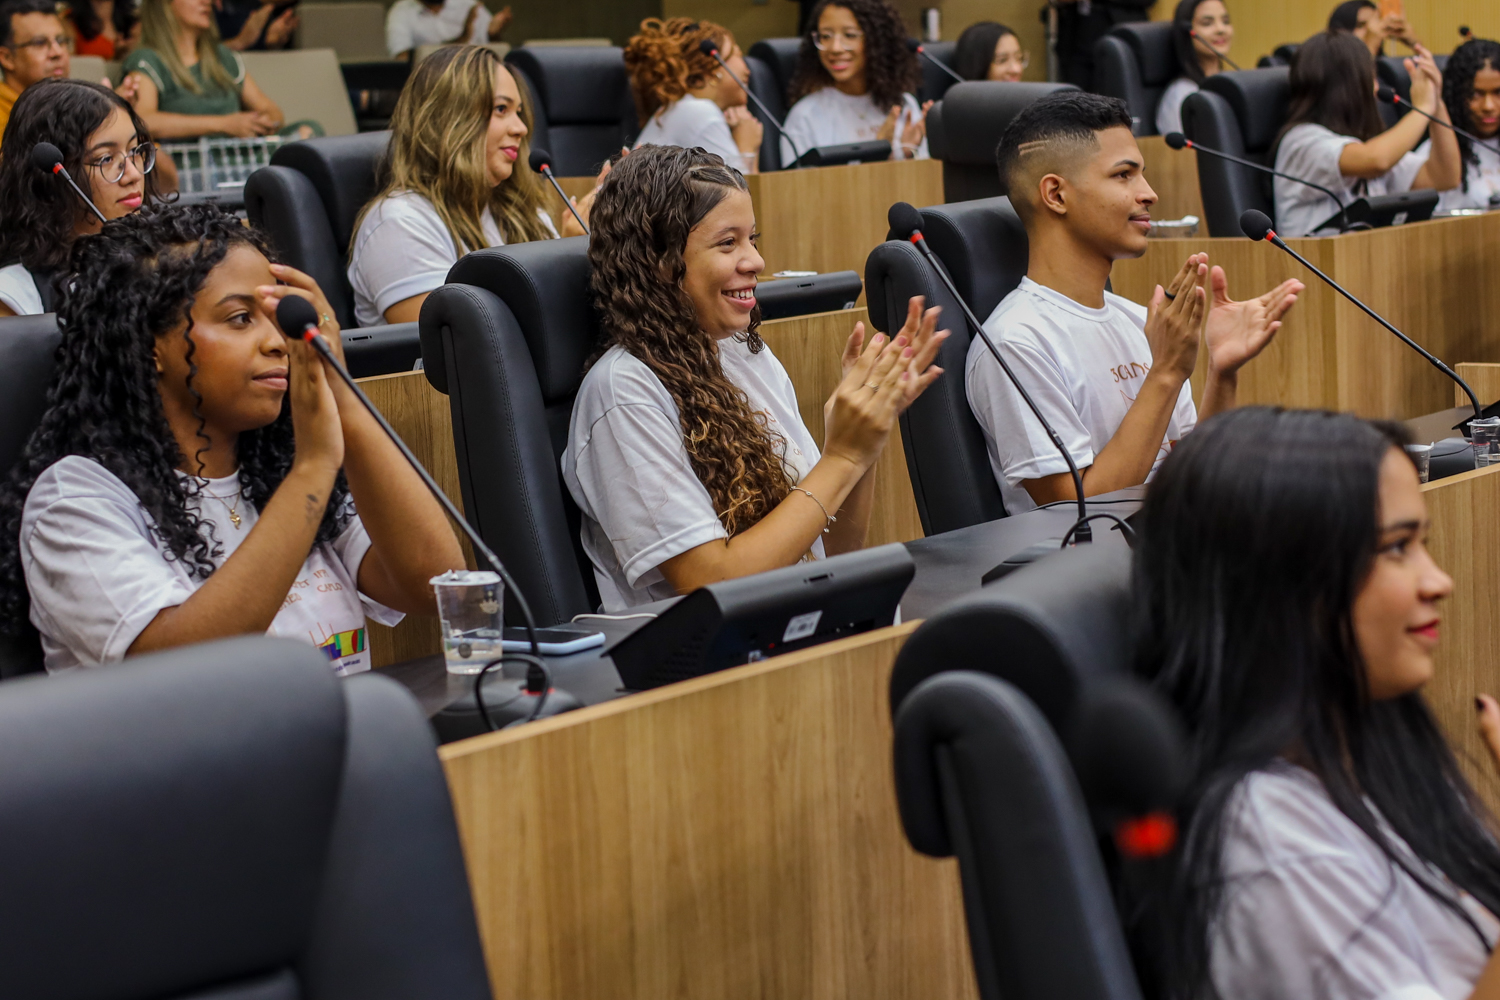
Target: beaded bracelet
{"x": 831, "y": 519}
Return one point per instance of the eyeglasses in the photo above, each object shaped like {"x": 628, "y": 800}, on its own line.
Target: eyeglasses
{"x": 112, "y": 166}
{"x": 823, "y": 40}
{"x": 1021, "y": 59}
{"x": 43, "y": 44}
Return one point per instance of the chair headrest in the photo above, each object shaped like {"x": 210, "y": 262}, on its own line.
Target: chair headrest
{"x": 342, "y": 169}
{"x": 1044, "y": 628}
{"x": 28, "y": 350}
{"x": 976, "y": 113}
{"x": 545, "y": 284}
{"x": 1259, "y": 99}
{"x": 983, "y": 245}
{"x": 781, "y": 55}
{"x": 171, "y": 816}
{"x": 576, "y": 85}
{"x": 1151, "y": 42}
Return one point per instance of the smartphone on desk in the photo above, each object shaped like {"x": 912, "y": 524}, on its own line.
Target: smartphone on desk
{"x": 559, "y": 640}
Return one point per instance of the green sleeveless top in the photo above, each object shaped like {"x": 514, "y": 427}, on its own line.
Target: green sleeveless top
{"x": 177, "y": 99}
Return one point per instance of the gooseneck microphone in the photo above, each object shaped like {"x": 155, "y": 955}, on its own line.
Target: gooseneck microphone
{"x": 915, "y": 46}
{"x": 540, "y": 162}
{"x": 904, "y": 218}
{"x": 1258, "y": 227}
{"x": 1216, "y": 53}
{"x": 1176, "y": 140}
{"x": 297, "y": 318}
{"x": 47, "y": 157}
{"x": 1389, "y": 96}
{"x": 708, "y": 48}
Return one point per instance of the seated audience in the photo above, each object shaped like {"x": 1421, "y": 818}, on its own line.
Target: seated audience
{"x": 33, "y": 47}
{"x": 103, "y": 28}
{"x": 1334, "y": 135}
{"x": 1471, "y": 93}
{"x": 1330, "y": 845}
{"x": 854, "y": 82}
{"x": 684, "y": 98}
{"x": 1201, "y": 36}
{"x": 410, "y": 24}
{"x": 247, "y": 25}
{"x": 687, "y": 454}
{"x": 196, "y": 473}
{"x": 455, "y": 178}
{"x": 191, "y": 84}
{"x": 107, "y": 151}
{"x": 989, "y": 50}
{"x": 1362, "y": 19}
{"x": 1110, "y": 376}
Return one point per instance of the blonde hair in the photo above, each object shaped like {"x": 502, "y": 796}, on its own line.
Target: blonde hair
{"x": 159, "y": 28}
{"x": 664, "y": 61}
{"x": 437, "y": 150}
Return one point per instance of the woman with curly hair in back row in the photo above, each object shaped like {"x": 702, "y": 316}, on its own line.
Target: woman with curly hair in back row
{"x": 687, "y": 453}
{"x": 854, "y": 82}
{"x": 1471, "y": 93}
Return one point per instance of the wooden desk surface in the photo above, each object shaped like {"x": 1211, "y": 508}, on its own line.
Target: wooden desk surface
{"x": 1433, "y": 280}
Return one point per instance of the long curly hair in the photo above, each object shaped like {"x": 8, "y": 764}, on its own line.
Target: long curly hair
{"x": 642, "y": 216}
{"x": 41, "y": 213}
{"x": 437, "y": 150}
{"x": 664, "y": 61}
{"x": 890, "y": 67}
{"x": 126, "y": 287}
{"x": 1458, "y": 86}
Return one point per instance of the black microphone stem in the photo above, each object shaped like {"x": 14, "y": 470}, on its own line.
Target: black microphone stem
{"x": 547, "y": 172}
{"x": 1473, "y": 399}
{"x": 86, "y": 199}
{"x": 922, "y": 51}
{"x": 1082, "y": 533}
{"x": 713, "y": 50}
{"x": 1401, "y": 102}
{"x": 1190, "y": 144}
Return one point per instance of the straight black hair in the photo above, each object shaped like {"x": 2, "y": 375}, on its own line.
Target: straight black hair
{"x": 1256, "y": 536}
{"x": 1345, "y": 16}
{"x": 14, "y": 8}
{"x": 975, "y": 50}
{"x": 1066, "y": 114}
{"x": 1333, "y": 85}
{"x": 89, "y": 24}
{"x": 1458, "y": 86}
{"x": 1182, "y": 40}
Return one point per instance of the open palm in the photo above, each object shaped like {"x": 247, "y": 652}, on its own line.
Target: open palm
{"x": 1238, "y": 331}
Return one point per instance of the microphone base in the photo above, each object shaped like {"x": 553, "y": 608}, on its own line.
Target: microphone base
{"x": 508, "y": 702}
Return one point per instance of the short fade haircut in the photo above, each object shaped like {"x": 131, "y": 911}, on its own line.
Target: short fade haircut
{"x": 12, "y": 8}
{"x": 1068, "y": 118}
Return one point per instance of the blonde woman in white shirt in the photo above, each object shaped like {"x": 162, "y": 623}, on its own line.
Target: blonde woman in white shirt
{"x": 855, "y": 81}
{"x": 455, "y": 179}
{"x": 685, "y": 98}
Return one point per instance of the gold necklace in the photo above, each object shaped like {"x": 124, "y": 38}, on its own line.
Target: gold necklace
{"x": 233, "y": 508}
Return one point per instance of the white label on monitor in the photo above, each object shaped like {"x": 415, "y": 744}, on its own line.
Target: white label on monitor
{"x": 802, "y": 626}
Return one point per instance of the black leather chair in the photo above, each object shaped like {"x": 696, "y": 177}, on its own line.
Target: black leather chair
{"x": 1282, "y": 55}
{"x": 982, "y": 244}
{"x": 506, "y": 340}
{"x": 964, "y": 129}
{"x": 935, "y": 83}
{"x": 1238, "y": 112}
{"x": 1135, "y": 62}
{"x": 766, "y": 85}
{"x": 582, "y": 104}
{"x": 780, "y": 55}
{"x": 228, "y": 821}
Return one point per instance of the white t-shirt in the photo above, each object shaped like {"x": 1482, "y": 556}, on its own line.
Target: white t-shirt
{"x": 18, "y": 291}
{"x": 629, "y": 471}
{"x": 1083, "y": 368}
{"x": 1312, "y": 152}
{"x": 403, "y": 249}
{"x": 98, "y": 574}
{"x": 830, "y": 117}
{"x": 410, "y": 23}
{"x": 1169, "y": 111}
{"x": 692, "y": 121}
{"x": 1484, "y": 183}
{"x": 1313, "y": 908}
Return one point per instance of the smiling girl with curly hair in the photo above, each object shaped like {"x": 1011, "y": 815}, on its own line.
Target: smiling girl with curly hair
{"x": 687, "y": 453}
{"x": 854, "y": 82}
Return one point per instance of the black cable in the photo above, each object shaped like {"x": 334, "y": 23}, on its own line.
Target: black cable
{"x": 1125, "y": 528}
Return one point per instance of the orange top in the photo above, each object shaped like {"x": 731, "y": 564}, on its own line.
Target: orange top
{"x": 99, "y": 46}
{"x": 8, "y": 95}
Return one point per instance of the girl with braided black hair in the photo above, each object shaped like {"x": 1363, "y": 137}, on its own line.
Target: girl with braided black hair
{"x": 687, "y": 453}
{"x": 854, "y": 82}
{"x": 1471, "y": 92}
{"x": 195, "y": 473}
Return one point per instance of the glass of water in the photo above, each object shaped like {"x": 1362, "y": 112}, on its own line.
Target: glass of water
{"x": 469, "y": 604}
{"x": 1486, "y": 437}
{"x": 1421, "y": 456}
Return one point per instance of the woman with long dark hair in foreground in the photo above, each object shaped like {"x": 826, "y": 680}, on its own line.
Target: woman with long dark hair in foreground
{"x": 1331, "y": 847}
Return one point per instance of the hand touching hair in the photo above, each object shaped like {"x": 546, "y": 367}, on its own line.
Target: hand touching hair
{"x": 646, "y": 207}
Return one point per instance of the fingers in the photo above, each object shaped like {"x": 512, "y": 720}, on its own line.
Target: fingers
{"x": 1489, "y": 724}
{"x": 859, "y": 372}
{"x": 913, "y": 315}
{"x": 854, "y": 345}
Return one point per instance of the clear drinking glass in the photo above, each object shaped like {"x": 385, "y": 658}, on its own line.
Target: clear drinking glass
{"x": 469, "y": 604}
{"x": 1486, "y": 437}
{"x": 1421, "y": 455}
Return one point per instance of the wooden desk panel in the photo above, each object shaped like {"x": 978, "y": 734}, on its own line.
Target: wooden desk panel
{"x": 735, "y": 836}
{"x": 1484, "y": 379}
{"x": 1430, "y": 279}
{"x": 1173, "y": 174}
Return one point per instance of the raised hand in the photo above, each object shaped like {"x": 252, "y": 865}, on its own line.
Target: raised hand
{"x": 1489, "y": 726}
{"x": 499, "y": 23}
{"x": 1174, "y": 320}
{"x": 1238, "y": 331}
{"x": 887, "y": 129}
{"x": 914, "y": 132}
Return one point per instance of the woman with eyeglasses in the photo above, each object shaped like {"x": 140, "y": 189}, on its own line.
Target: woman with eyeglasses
{"x": 106, "y": 149}
{"x": 990, "y": 51}
{"x": 1201, "y": 36}
{"x": 854, "y": 82}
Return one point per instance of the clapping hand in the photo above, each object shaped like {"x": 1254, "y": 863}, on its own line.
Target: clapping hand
{"x": 1238, "y": 331}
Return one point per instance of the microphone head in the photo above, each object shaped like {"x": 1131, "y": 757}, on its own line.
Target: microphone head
{"x": 904, "y": 220}
{"x": 1387, "y": 95}
{"x": 708, "y": 48}
{"x": 912, "y": 45}
{"x": 45, "y": 156}
{"x": 1256, "y": 225}
{"x": 1176, "y": 140}
{"x": 294, "y": 315}
{"x": 539, "y": 159}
